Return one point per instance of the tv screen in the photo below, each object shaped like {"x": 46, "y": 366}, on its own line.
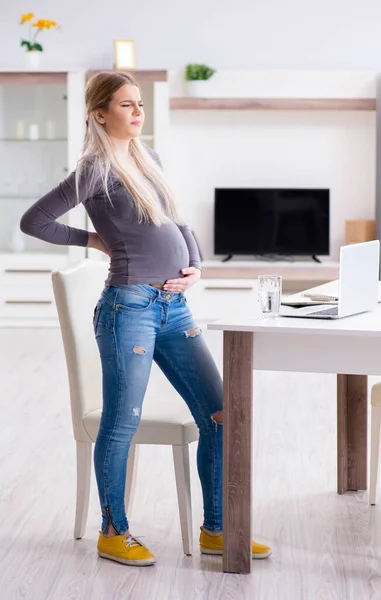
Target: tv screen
{"x": 271, "y": 221}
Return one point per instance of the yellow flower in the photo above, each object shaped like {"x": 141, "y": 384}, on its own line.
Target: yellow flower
{"x": 26, "y": 17}
{"x": 40, "y": 24}
{"x": 44, "y": 24}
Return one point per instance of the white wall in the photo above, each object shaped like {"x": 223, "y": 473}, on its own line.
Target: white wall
{"x": 208, "y": 149}
{"x": 331, "y": 149}
{"x": 247, "y": 34}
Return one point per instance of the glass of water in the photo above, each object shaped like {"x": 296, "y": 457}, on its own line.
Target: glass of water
{"x": 269, "y": 294}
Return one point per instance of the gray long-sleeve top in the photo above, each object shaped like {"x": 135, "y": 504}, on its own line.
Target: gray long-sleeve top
{"x": 140, "y": 252}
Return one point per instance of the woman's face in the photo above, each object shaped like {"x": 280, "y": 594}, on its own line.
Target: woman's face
{"x": 124, "y": 117}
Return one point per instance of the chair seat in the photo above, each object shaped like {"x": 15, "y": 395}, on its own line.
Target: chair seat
{"x": 376, "y": 395}
{"x": 164, "y": 421}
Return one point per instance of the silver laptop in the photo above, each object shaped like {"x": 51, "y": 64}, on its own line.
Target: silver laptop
{"x": 358, "y": 285}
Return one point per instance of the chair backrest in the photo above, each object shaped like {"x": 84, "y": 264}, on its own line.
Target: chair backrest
{"x": 77, "y": 289}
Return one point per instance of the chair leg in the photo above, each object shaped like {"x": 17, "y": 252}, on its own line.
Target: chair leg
{"x": 374, "y": 452}
{"x": 132, "y": 463}
{"x": 84, "y": 458}
{"x": 182, "y": 475}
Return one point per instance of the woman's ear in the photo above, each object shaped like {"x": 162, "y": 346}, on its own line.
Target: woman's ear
{"x": 99, "y": 117}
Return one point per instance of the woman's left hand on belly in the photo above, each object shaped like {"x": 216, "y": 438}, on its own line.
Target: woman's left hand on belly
{"x": 192, "y": 276}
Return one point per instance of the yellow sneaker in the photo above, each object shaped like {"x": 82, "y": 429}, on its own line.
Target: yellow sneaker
{"x": 127, "y": 551}
{"x": 213, "y": 544}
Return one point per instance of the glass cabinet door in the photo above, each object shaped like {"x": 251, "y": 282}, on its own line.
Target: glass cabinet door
{"x": 33, "y": 150}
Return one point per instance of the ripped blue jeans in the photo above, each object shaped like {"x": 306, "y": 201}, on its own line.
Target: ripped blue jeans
{"x": 135, "y": 324}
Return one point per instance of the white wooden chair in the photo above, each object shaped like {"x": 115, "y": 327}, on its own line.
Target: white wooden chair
{"x": 165, "y": 417}
{"x": 374, "y": 440}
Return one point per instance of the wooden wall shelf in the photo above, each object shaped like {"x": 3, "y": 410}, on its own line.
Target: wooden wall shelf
{"x": 33, "y": 77}
{"x": 140, "y": 76}
{"x": 189, "y": 103}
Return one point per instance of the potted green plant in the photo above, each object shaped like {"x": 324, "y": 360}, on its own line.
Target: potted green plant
{"x": 197, "y": 77}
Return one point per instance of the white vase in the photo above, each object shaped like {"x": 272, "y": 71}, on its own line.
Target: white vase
{"x": 32, "y": 59}
{"x": 200, "y": 88}
{"x": 17, "y": 242}
{"x": 33, "y": 131}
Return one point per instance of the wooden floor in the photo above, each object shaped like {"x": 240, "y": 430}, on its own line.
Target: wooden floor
{"x": 326, "y": 547}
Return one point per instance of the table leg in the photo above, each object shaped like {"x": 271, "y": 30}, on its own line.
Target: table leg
{"x": 352, "y": 411}
{"x": 237, "y": 451}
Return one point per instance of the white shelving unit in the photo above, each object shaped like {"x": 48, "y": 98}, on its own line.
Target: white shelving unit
{"x": 54, "y": 102}
{"x": 41, "y": 132}
{"x": 49, "y": 106}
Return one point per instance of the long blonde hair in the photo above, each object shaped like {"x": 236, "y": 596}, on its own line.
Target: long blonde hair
{"x": 147, "y": 188}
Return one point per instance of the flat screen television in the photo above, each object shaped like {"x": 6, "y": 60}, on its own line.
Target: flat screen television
{"x": 287, "y": 222}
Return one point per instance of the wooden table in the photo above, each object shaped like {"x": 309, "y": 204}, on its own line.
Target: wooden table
{"x": 350, "y": 348}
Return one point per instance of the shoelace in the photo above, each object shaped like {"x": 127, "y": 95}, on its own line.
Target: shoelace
{"x": 131, "y": 542}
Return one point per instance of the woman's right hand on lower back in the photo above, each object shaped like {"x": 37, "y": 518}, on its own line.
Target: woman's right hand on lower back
{"x": 96, "y": 242}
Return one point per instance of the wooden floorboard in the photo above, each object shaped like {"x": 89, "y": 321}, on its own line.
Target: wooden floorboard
{"x": 325, "y": 546}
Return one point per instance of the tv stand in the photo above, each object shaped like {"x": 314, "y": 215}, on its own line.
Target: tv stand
{"x": 297, "y": 275}
{"x": 315, "y": 258}
{"x": 228, "y": 257}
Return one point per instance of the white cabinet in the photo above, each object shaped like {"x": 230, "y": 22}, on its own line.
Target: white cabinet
{"x": 214, "y": 299}
{"x": 26, "y": 293}
{"x": 42, "y": 127}
{"x": 41, "y": 131}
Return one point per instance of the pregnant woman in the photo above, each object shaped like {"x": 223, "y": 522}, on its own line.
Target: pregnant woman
{"x": 142, "y": 313}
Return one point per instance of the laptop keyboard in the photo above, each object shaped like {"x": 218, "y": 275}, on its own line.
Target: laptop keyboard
{"x": 327, "y": 311}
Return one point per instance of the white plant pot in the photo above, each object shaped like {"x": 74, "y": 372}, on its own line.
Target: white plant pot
{"x": 200, "y": 88}
{"x": 32, "y": 59}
